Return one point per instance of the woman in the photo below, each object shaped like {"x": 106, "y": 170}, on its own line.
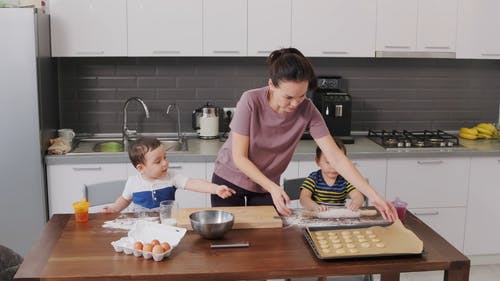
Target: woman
{"x": 267, "y": 126}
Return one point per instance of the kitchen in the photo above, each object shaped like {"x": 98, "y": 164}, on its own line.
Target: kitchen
{"x": 387, "y": 93}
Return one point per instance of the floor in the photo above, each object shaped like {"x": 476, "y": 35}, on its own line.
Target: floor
{"x": 477, "y": 273}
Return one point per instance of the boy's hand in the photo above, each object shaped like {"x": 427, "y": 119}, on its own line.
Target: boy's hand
{"x": 223, "y": 191}
{"x": 353, "y": 204}
{"x": 108, "y": 210}
{"x": 320, "y": 208}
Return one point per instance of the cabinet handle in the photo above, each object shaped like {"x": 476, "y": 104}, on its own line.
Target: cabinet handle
{"x": 79, "y": 169}
{"x": 226, "y": 52}
{"x": 435, "y": 162}
{"x": 166, "y": 52}
{"x": 175, "y": 167}
{"x": 490, "y": 55}
{"x": 430, "y": 213}
{"x": 437, "y": 47}
{"x": 335, "y": 52}
{"x": 90, "y": 53}
{"x": 263, "y": 52}
{"x": 397, "y": 47}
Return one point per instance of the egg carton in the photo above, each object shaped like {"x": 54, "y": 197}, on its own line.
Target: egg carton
{"x": 126, "y": 245}
{"x": 145, "y": 231}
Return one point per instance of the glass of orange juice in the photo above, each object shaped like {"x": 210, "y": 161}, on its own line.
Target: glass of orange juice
{"x": 81, "y": 209}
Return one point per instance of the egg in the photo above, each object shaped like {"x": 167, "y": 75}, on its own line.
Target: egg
{"x": 157, "y": 249}
{"x": 148, "y": 247}
{"x": 138, "y": 245}
{"x": 155, "y": 242}
{"x": 165, "y": 246}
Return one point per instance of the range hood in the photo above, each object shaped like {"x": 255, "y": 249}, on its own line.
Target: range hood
{"x": 415, "y": 54}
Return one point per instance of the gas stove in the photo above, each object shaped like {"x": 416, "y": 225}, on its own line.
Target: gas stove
{"x": 403, "y": 139}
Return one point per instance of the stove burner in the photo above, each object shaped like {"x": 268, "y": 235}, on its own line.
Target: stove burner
{"x": 409, "y": 139}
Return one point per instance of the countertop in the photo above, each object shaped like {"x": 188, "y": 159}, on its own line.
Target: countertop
{"x": 363, "y": 148}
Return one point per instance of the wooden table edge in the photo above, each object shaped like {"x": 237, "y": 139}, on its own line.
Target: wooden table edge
{"x": 35, "y": 261}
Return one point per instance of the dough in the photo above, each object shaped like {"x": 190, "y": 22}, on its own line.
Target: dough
{"x": 365, "y": 245}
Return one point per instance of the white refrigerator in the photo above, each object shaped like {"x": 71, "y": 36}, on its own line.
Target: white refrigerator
{"x": 28, "y": 116}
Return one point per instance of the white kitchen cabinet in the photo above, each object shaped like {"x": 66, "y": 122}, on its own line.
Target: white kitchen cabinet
{"x": 483, "y": 211}
{"x": 187, "y": 198}
{"x": 448, "y": 222}
{"x": 373, "y": 170}
{"x": 66, "y": 182}
{"x": 224, "y": 27}
{"x": 164, "y": 27}
{"x": 478, "y": 36}
{"x": 437, "y": 187}
{"x": 334, "y": 28}
{"x": 268, "y": 29}
{"x": 416, "y": 25}
{"x": 88, "y": 28}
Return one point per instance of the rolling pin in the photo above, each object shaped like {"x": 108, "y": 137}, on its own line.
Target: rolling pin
{"x": 334, "y": 213}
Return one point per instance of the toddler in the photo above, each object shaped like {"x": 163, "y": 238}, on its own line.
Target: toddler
{"x": 326, "y": 187}
{"x": 155, "y": 183}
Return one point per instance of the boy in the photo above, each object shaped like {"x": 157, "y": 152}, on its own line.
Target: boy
{"x": 155, "y": 183}
{"x": 326, "y": 186}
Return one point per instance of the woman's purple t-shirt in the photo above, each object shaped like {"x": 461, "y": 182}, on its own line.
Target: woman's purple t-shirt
{"x": 273, "y": 137}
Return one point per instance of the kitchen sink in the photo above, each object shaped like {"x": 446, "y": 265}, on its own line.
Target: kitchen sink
{"x": 99, "y": 144}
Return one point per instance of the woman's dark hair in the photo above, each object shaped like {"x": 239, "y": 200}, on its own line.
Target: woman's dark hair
{"x": 339, "y": 143}
{"x": 138, "y": 149}
{"x": 290, "y": 65}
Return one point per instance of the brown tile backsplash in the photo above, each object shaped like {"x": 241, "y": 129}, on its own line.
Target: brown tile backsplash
{"x": 387, "y": 93}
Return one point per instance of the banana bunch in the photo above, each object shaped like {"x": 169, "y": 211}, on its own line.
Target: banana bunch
{"x": 480, "y": 131}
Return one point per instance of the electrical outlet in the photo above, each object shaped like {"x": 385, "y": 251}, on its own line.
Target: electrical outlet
{"x": 226, "y": 109}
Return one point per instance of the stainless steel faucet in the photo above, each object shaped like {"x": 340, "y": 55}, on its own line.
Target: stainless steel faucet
{"x": 126, "y": 132}
{"x": 178, "y": 118}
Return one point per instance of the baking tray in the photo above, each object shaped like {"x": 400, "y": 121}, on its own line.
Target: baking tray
{"x": 355, "y": 242}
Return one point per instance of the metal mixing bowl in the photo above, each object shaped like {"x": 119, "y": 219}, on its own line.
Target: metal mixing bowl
{"x": 212, "y": 224}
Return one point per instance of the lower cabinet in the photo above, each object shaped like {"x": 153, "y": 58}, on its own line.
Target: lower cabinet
{"x": 436, "y": 189}
{"x": 448, "y": 222}
{"x": 66, "y": 182}
{"x": 483, "y": 210}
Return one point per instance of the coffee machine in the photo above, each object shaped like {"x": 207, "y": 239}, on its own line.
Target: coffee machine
{"x": 335, "y": 106}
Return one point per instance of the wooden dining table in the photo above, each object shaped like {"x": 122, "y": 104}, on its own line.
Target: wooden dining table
{"x": 67, "y": 250}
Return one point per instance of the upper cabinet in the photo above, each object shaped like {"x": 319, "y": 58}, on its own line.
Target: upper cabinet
{"x": 88, "y": 28}
{"x": 268, "y": 29}
{"x": 416, "y": 25}
{"x": 165, "y": 27}
{"x": 225, "y": 27}
{"x": 478, "y": 34}
{"x": 334, "y": 28}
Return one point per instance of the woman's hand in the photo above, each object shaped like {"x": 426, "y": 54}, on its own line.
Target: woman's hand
{"x": 224, "y": 192}
{"x": 385, "y": 208}
{"x": 281, "y": 200}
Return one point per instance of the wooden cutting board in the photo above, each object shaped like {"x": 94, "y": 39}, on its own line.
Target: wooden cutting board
{"x": 244, "y": 217}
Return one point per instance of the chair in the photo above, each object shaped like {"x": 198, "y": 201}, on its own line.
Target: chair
{"x": 102, "y": 193}
{"x": 292, "y": 187}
